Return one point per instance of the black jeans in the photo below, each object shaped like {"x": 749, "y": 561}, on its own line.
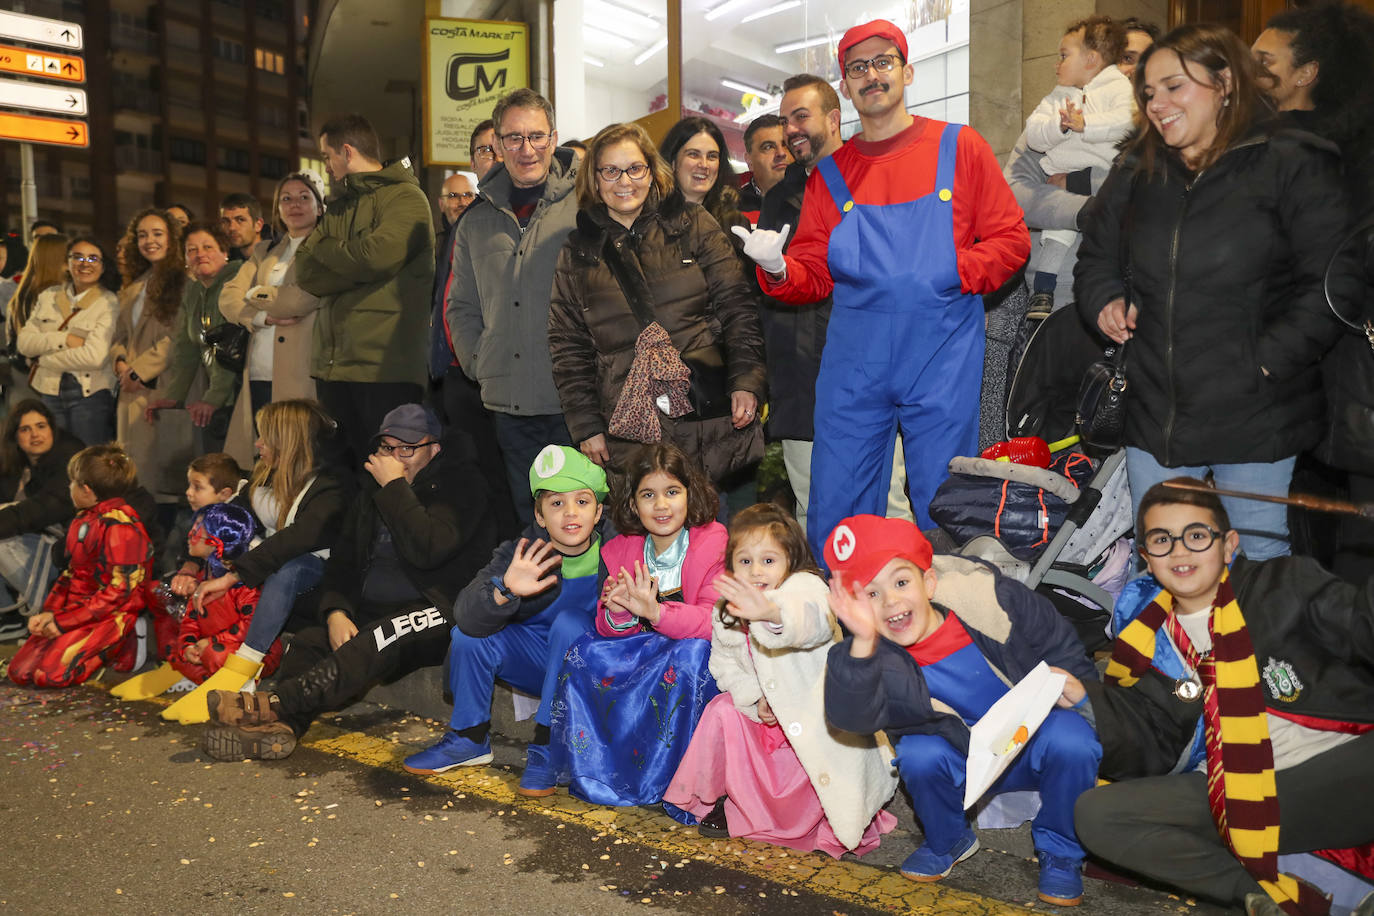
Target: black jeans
{"x": 359, "y": 407}
{"x": 522, "y": 439}
{"x": 313, "y": 678}
{"x": 1161, "y": 826}
{"x": 462, "y": 408}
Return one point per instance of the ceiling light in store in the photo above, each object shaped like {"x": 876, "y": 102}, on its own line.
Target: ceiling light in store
{"x": 804, "y": 43}
{"x": 619, "y": 41}
{"x": 744, "y": 87}
{"x": 720, "y": 9}
{"x": 636, "y": 16}
{"x": 779, "y": 8}
{"x": 592, "y": 61}
{"x": 654, "y": 49}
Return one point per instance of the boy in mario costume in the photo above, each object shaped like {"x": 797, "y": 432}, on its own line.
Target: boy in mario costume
{"x": 935, "y": 642}
{"x": 908, "y": 224}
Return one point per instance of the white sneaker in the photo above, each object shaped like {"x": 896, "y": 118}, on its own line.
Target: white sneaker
{"x": 141, "y": 638}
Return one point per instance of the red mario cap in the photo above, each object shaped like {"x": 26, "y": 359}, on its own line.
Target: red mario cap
{"x": 877, "y": 28}
{"x": 861, "y": 545}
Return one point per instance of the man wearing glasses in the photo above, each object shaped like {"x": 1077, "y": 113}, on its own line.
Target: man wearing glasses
{"x": 907, "y": 225}
{"x": 406, "y": 548}
{"x": 504, "y": 254}
{"x": 483, "y": 148}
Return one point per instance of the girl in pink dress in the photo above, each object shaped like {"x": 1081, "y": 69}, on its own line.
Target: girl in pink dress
{"x": 763, "y": 764}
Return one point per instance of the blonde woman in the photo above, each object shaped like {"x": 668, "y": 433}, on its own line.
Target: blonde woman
{"x": 67, "y": 337}
{"x": 154, "y": 272}
{"x": 264, "y": 298}
{"x": 298, "y": 499}
{"x": 45, "y": 268}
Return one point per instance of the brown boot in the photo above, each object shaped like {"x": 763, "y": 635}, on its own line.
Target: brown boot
{"x": 272, "y": 741}
{"x": 240, "y": 708}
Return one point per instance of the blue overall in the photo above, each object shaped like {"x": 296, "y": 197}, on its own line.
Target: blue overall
{"x": 527, "y": 655}
{"x": 904, "y": 348}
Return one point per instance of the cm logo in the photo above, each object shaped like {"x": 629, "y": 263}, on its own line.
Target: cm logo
{"x": 461, "y": 92}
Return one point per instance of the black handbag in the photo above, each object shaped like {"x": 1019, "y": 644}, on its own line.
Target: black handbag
{"x": 228, "y": 345}
{"x": 710, "y": 383}
{"x": 1102, "y": 397}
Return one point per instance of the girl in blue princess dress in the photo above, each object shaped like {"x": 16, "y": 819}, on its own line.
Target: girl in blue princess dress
{"x": 630, "y": 695}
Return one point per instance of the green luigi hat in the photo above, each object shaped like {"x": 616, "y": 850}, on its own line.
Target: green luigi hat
{"x": 562, "y": 469}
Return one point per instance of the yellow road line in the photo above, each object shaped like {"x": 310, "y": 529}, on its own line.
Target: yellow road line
{"x": 847, "y": 880}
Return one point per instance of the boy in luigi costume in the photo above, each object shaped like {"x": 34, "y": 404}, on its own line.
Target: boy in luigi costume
{"x": 1237, "y": 713}
{"x": 520, "y": 614}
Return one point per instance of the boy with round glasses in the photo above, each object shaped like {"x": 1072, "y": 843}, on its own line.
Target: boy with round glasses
{"x": 908, "y": 223}
{"x": 1237, "y": 708}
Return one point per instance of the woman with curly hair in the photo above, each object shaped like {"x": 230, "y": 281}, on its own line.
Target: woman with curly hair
{"x": 153, "y": 268}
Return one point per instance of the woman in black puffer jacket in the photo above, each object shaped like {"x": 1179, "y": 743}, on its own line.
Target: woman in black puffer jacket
{"x": 682, "y": 272}
{"x": 1224, "y": 224}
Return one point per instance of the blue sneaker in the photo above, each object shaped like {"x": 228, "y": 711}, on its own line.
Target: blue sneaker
{"x": 925, "y": 865}
{"x": 1061, "y": 880}
{"x": 452, "y": 750}
{"x": 537, "y": 781}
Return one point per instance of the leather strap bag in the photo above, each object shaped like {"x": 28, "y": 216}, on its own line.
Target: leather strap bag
{"x": 1102, "y": 397}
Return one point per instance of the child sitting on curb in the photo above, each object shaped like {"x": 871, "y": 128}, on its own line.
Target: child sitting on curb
{"x": 936, "y": 641}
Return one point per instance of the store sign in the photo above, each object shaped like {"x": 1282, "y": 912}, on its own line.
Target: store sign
{"x": 469, "y": 65}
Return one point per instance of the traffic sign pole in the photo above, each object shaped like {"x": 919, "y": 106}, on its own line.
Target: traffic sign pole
{"x": 28, "y": 187}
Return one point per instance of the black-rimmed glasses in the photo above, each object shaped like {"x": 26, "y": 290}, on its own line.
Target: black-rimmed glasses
{"x": 484, "y": 152}
{"x": 85, "y": 258}
{"x": 536, "y": 140}
{"x": 1196, "y": 537}
{"x": 458, "y": 195}
{"x": 611, "y": 173}
{"x": 883, "y": 63}
{"x": 403, "y": 451}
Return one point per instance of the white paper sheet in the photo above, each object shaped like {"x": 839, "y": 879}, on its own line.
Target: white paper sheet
{"x": 991, "y": 749}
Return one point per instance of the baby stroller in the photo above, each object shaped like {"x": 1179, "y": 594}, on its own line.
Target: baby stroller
{"x": 1061, "y": 523}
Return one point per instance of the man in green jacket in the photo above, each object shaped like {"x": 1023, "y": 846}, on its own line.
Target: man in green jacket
{"x": 371, "y": 263}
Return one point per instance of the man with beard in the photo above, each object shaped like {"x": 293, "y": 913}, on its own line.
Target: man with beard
{"x": 907, "y": 224}
{"x": 765, "y": 149}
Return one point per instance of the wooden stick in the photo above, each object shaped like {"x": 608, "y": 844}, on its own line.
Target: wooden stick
{"x": 1303, "y": 500}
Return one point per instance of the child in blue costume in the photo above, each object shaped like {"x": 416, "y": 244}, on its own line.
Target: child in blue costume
{"x": 518, "y": 617}
{"x": 936, "y": 641}
{"x": 631, "y": 693}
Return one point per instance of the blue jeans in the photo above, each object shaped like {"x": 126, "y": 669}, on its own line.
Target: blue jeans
{"x": 1060, "y": 760}
{"x": 279, "y": 593}
{"x": 1263, "y": 527}
{"x": 26, "y": 571}
{"x": 91, "y": 418}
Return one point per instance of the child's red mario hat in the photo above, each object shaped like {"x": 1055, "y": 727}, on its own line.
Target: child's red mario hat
{"x": 861, "y": 545}
{"x": 877, "y": 28}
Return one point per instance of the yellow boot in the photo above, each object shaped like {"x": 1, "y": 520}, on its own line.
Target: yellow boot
{"x": 146, "y": 685}
{"x": 235, "y": 675}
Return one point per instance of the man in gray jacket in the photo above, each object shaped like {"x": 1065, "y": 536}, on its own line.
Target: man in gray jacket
{"x": 504, "y": 256}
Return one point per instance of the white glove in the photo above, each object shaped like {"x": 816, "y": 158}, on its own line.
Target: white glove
{"x": 764, "y": 246}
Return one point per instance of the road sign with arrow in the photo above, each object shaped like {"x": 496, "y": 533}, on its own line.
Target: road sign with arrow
{"x": 29, "y": 62}
{"x": 38, "y": 97}
{"x": 39, "y": 30}
{"x": 34, "y": 129}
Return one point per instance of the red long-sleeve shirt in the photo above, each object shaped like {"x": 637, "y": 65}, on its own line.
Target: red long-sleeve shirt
{"x": 990, "y": 237}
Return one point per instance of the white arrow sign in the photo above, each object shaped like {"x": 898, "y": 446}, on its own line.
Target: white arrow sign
{"x": 41, "y": 30}
{"x": 41, "y": 97}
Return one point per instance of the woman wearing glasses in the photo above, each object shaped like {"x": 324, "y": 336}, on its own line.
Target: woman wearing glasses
{"x": 264, "y": 298}
{"x": 653, "y": 329}
{"x": 67, "y": 340}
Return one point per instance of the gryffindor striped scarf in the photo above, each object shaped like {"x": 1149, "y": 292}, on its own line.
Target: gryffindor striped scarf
{"x": 1240, "y": 759}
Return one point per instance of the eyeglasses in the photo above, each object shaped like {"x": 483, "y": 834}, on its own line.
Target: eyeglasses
{"x": 403, "y": 451}
{"x": 537, "y": 140}
{"x": 85, "y": 258}
{"x": 458, "y": 195}
{"x": 611, "y": 173}
{"x": 484, "y": 152}
{"x": 1196, "y": 537}
{"x": 859, "y": 68}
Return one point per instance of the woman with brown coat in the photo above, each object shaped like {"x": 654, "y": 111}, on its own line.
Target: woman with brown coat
{"x": 265, "y": 299}
{"x": 647, "y": 297}
{"x": 153, "y": 265}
